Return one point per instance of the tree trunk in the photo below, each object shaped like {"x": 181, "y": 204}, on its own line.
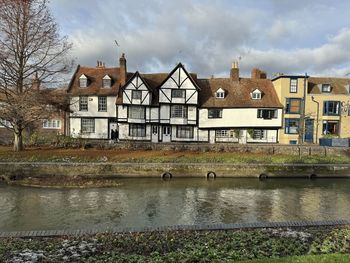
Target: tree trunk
{"x": 18, "y": 143}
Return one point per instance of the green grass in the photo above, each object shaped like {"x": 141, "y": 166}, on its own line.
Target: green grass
{"x": 331, "y": 258}
{"x": 312, "y": 244}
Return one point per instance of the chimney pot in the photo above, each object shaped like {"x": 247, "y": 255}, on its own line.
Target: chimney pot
{"x": 234, "y": 74}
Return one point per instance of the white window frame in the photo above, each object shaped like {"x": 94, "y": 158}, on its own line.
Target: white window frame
{"x": 102, "y": 103}
{"x": 136, "y": 112}
{"x": 106, "y": 82}
{"x": 178, "y": 111}
{"x": 222, "y": 133}
{"x": 256, "y": 95}
{"x": 83, "y": 81}
{"x": 137, "y": 130}
{"x": 87, "y": 125}
{"x": 327, "y": 89}
{"x": 83, "y": 103}
{"x": 52, "y": 124}
{"x": 184, "y": 132}
{"x": 293, "y": 85}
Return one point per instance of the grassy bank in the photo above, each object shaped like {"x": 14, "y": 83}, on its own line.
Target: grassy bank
{"x": 156, "y": 156}
{"x": 186, "y": 246}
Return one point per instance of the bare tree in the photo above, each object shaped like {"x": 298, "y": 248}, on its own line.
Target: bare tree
{"x": 32, "y": 53}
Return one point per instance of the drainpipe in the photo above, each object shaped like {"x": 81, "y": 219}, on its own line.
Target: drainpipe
{"x": 302, "y": 115}
{"x": 317, "y": 116}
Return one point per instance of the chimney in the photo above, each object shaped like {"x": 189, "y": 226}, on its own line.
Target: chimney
{"x": 122, "y": 70}
{"x": 234, "y": 74}
{"x": 258, "y": 74}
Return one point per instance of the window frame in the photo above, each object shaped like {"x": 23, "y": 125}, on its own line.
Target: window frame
{"x": 256, "y": 95}
{"x": 174, "y": 91}
{"x": 183, "y": 134}
{"x": 83, "y": 103}
{"x": 287, "y": 127}
{"x": 327, "y": 122}
{"x": 323, "y": 88}
{"x": 223, "y": 133}
{"x": 106, "y": 83}
{"x": 54, "y": 124}
{"x": 274, "y": 115}
{"x": 288, "y": 102}
{"x": 262, "y": 134}
{"x": 102, "y": 107}
{"x": 220, "y": 94}
{"x": 293, "y": 86}
{"x": 133, "y": 114}
{"x": 174, "y": 110}
{"x": 216, "y": 113}
{"x": 87, "y": 131}
{"x": 133, "y": 94}
{"x": 139, "y": 128}
{"x": 326, "y": 111}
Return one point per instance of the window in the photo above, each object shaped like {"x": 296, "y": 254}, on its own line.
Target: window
{"x": 166, "y": 130}
{"x": 220, "y": 94}
{"x": 136, "y": 94}
{"x": 102, "y": 103}
{"x": 330, "y": 127}
{"x": 51, "y": 124}
{"x": 87, "y": 125}
{"x": 136, "y": 112}
{"x": 83, "y": 81}
{"x": 293, "y": 105}
{"x": 293, "y": 86}
{"x": 291, "y": 126}
{"x": 177, "y": 93}
{"x": 267, "y": 114}
{"x": 137, "y": 130}
{"x": 258, "y": 134}
{"x": 222, "y": 133}
{"x": 107, "y": 82}
{"x": 214, "y": 113}
{"x": 185, "y": 132}
{"x": 154, "y": 129}
{"x": 178, "y": 111}
{"x": 326, "y": 88}
{"x": 83, "y": 103}
{"x": 256, "y": 94}
{"x": 331, "y": 107}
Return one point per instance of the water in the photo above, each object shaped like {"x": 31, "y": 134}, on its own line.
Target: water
{"x": 153, "y": 202}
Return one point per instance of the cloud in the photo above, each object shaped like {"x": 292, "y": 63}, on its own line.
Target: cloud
{"x": 278, "y": 36}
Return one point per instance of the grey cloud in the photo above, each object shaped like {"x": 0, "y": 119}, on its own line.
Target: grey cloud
{"x": 205, "y": 35}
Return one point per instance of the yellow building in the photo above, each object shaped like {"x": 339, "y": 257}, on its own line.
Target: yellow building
{"x": 322, "y": 103}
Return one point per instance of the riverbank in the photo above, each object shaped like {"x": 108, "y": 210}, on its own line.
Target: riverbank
{"x": 52, "y": 167}
{"x": 182, "y": 246}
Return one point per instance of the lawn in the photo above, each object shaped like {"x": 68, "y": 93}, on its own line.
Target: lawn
{"x": 47, "y": 154}
{"x": 331, "y": 258}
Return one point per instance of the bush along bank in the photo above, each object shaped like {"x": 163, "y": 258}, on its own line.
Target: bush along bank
{"x": 180, "y": 246}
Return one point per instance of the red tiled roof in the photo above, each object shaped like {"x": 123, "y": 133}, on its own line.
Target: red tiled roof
{"x": 237, "y": 93}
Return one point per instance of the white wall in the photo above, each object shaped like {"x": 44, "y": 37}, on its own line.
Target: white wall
{"x": 146, "y": 96}
{"x": 124, "y": 133}
{"x": 93, "y": 107}
{"x": 238, "y": 118}
{"x": 101, "y": 129}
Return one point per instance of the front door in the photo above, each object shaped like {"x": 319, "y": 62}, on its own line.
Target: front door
{"x": 155, "y": 133}
{"x": 166, "y": 133}
{"x": 309, "y": 130}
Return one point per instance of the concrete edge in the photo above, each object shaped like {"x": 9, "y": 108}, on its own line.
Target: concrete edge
{"x": 204, "y": 227}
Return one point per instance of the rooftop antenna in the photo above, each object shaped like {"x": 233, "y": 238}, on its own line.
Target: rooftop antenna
{"x": 117, "y": 44}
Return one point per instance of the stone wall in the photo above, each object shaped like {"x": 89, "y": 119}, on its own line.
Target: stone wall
{"x": 20, "y": 171}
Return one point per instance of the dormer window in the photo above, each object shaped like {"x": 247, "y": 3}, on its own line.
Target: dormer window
{"x": 107, "y": 81}
{"x": 256, "y": 94}
{"x": 83, "y": 81}
{"x": 220, "y": 94}
{"x": 326, "y": 88}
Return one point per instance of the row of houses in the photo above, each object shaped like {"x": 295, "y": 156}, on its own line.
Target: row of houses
{"x": 112, "y": 103}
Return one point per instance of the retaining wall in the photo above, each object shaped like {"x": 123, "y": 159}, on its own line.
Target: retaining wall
{"x": 18, "y": 171}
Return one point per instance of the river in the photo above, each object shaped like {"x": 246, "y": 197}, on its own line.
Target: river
{"x": 154, "y": 202}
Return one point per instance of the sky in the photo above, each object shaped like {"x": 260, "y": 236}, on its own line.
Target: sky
{"x": 277, "y": 36}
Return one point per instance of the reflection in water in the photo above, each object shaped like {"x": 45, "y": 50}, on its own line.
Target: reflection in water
{"x": 153, "y": 202}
